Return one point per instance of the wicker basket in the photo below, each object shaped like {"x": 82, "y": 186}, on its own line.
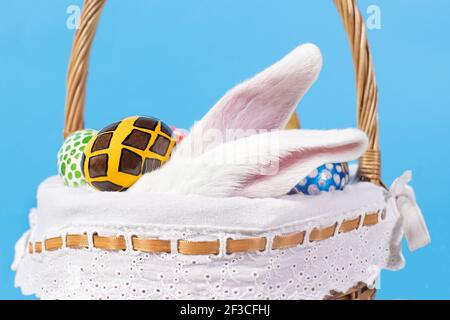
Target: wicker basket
{"x": 369, "y": 164}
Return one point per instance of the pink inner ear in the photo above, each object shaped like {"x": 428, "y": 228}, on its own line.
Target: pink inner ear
{"x": 261, "y": 106}
{"x": 252, "y": 107}
{"x": 292, "y": 167}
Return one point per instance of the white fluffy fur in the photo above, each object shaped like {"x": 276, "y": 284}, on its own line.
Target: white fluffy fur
{"x": 239, "y": 168}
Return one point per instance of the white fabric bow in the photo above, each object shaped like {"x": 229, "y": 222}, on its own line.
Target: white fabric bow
{"x": 414, "y": 226}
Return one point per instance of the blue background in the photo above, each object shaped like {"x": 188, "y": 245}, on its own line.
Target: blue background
{"x": 174, "y": 59}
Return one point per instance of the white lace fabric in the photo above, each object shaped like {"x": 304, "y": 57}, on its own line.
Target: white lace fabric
{"x": 309, "y": 271}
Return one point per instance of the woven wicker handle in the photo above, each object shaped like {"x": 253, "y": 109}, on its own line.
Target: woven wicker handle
{"x": 366, "y": 86}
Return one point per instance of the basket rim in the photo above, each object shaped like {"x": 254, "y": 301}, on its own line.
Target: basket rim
{"x": 60, "y": 207}
{"x": 213, "y": 247}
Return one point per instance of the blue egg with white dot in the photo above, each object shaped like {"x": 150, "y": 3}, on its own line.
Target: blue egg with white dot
{"x": 329, "y": 177}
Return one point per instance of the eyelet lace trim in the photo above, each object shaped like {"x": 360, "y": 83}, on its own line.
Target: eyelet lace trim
{"x": 285, "y": 241}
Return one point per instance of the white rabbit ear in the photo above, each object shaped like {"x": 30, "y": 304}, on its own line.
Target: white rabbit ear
{"x": 259, "y": 166}
{"x": 265, "y": 102}
{"x": 300, "y": 154}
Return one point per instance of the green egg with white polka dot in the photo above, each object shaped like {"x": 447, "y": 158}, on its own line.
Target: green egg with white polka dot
{"x": 69, "y": 157}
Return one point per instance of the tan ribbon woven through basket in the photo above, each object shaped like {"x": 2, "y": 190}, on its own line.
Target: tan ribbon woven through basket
{"x": 366, "y": 90}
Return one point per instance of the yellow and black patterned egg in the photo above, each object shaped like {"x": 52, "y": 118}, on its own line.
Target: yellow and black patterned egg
{"x": 122, "y": 152}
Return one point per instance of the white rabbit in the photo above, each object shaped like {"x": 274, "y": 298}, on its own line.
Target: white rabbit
{"x": 226, "y": 154}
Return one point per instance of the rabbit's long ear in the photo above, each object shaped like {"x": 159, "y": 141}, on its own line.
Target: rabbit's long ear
{"x": 265, "y": 102}
{"x": 259, "y": 166}
{"x": 301, "y": 152}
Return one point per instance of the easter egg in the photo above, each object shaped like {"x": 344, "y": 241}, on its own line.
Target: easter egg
{"x": 179, "y": 134}
{"x": 124, "y": 151}
{"x": 329, "y": 177}
{"x": 70, "y": 155}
